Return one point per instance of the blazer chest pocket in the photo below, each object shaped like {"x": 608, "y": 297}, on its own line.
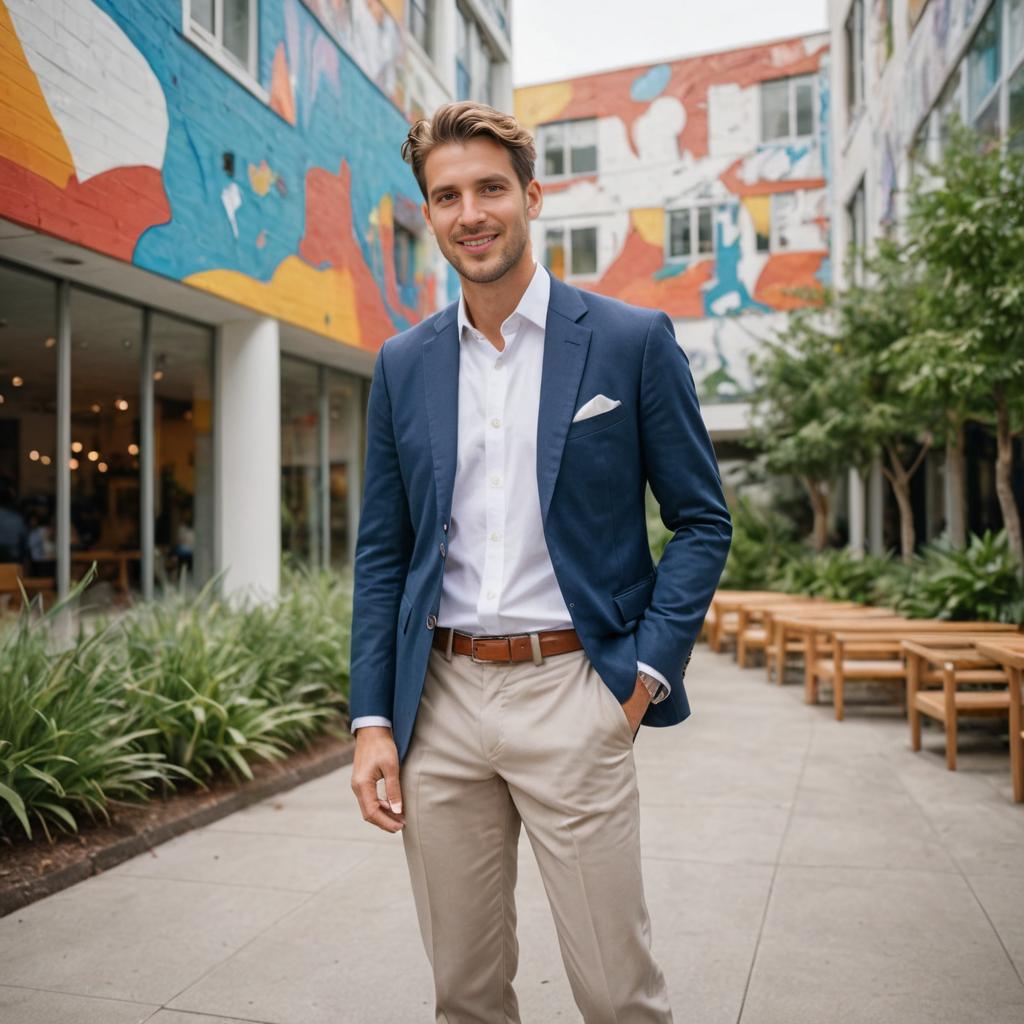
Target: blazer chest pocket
{"x": 634, "y": 600}
{"x": 592, "y": 424}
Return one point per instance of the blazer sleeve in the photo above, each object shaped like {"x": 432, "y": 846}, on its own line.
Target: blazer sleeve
{"x": 383, "y": 551}
{"x": 680, "y": 465}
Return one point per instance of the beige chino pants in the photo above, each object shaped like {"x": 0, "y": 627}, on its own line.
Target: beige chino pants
{"x": 549, "y": 747}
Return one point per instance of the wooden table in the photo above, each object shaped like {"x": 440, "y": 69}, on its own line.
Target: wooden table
{"x": 120, "y": 558}
{"x": 1009, "y": 652}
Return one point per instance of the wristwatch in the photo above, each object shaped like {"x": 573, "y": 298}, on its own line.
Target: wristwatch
{"x": 655, "y": 687}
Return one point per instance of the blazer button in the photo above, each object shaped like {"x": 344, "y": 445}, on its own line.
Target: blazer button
{"x": 442, "y": 550}
{"x": 431, "y": 621}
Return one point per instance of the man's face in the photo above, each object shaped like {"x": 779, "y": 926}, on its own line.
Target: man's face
{"x": 477, "y": 209}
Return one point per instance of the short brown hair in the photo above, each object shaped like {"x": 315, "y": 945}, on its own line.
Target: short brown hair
{"x": 459, "y": 122}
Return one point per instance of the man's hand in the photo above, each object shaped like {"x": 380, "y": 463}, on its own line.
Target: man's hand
{"x": 376, "y": 758}
{"x": 636, "y": 707}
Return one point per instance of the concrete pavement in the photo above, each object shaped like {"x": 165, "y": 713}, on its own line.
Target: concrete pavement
{"x": 799, "y": 871}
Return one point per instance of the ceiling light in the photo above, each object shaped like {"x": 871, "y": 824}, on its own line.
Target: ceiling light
{"x": 159, "y": 375}
{"x": 50, "y": 342}
{"x": 133, "y": 449}
{"x": 95, "y": 406}
{"x": 77, "y": 446}
{"x": 73, "y": 463}
{"x": 121, "y": 404}
{"x": 34, "y": 455}
{"x": 102, "y": 467}
{"x": 45, "y": 459}
{"x": 17, "y": 381}
{"x": 93, "y": 456}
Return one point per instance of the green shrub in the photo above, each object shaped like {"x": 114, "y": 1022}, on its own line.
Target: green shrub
{"x": 980, "y": 583}
{"x": 837, "y": 574}
{"x": 763, "y": 543}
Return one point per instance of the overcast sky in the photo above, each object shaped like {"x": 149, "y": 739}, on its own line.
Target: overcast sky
{"x": 554, "y": 39}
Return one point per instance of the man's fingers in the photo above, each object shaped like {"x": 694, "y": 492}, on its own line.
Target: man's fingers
{"x": 372, "y": 811}
{"x": 392, "y": 789}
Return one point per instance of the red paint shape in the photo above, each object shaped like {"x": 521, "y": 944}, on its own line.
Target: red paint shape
{"x": 330, "y": 240}
{"x": 631, "y": 279}
{"x": 107, "y": 213}
{"x": 786, "y": 271}
{"x": 608, "y": 94}
{"x": 731, "y": 179}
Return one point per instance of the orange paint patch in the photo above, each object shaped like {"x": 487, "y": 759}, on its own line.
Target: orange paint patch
{"x": 631, "y": 279}
{"x": 550, "y": 187}
{"x": 787, "y": 271}
{"x": 731, "y": 179}
{"x": 282, "y": 99}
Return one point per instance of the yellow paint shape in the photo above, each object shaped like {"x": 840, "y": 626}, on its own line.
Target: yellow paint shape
{"x": 261, "y": 177}
{"x": 29, "y": 136}
{"x": 650, "y": 224}
{"x": 296, "y": 293}
{"x": 396, "y": 8}
{"x": 538, "y": 104}
{"x": 760, "y": 210}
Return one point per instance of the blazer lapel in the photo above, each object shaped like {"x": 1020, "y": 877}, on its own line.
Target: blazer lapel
{"x": 441, "y": 381}
{"x": 566, "y": 344}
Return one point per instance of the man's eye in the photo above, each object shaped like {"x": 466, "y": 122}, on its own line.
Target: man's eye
{"x": 496, "y": 188}
{"x": 446, "y": 196}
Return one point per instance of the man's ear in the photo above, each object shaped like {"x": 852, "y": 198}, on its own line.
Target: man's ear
{"x": 534, "y": 199}
{"x": 426, "y": 216}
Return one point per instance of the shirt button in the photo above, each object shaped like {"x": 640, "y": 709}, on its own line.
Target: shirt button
{"x": 491, "y": 595}
{"x": 495, "y": 536}
{"x": 495, "y": 423}
{"x": 442, "y": 551}
{"x": 495, "y": 480}
{"x": 431, "y": 621}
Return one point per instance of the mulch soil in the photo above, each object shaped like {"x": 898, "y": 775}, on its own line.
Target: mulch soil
{"x": 30, "y": 870}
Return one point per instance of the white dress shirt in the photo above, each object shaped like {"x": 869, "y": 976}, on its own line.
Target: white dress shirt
{"x": 498, "y": 576}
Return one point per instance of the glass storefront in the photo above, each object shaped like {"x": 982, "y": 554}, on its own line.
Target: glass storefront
{"x": 28, "y": 434}
{"x": 120, "y": 360}
{"x": 321, "y": 425}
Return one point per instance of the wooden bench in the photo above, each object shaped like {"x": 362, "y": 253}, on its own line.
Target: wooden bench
{"x": 751, "y": 632}
{"x": 1009, "y": 653}
{"x": 722, "y": 617}
{"x": 873, "y": 650}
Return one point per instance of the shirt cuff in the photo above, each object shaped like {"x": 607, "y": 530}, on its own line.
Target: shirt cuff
{"x": 642, "y": 666}
{"x": 358, "y": 723}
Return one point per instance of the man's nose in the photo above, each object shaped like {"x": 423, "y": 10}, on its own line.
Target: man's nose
{"x": 471, "y": 213}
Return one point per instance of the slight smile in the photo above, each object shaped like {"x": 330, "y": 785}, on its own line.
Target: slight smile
{"x": 481, "y": 243}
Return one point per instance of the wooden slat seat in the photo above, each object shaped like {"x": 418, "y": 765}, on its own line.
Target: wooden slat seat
{"x": 862, "y": 668}
{"x": 1008, "y": 652}
{"x": 978, "y": 702}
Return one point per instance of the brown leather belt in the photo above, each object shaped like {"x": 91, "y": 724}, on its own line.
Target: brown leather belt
{"x": 533, "y": 647}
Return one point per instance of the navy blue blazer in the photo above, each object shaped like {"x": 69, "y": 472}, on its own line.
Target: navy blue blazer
{"x": 591, "y": 477}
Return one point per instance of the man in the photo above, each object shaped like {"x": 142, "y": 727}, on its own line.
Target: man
{"x": 510, "y": 632}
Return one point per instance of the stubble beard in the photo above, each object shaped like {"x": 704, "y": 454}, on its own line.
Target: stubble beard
{"x": 515, "y": 246}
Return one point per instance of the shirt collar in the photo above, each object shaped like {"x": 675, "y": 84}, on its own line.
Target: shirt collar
{"x": 533, "y": 306}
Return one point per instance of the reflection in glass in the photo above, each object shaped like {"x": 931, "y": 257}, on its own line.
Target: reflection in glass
{"x": 554, "y": 251}
{"x": 183, "y": 443}
{"x": 679, "y": 243}
{"x": 775, "y": 110}
{"x": 344, "y": 405}
{"x": 106, "y": 341}
{"x": 583, "y": 146}
{"x": 236, "y": 30}
{"x": 300, "y": 462}
{"x": 983, "y": 61}
{"x": 583, "y": 246}
{"x": 28, "y": 433}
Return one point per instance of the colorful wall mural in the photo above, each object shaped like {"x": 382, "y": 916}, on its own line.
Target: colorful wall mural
{"x": 119, "y": 134}
{"x": 684, "y": 135}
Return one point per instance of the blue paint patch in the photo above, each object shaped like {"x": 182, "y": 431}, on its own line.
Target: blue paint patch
{"x": 727, "y": 269}
{"x": 454, "y": 287}
{"x": 651, "y": 84}
{"x": 824, "y": 273}
{"x": 671, "y": 270}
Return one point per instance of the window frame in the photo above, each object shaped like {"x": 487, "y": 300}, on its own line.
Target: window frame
{"x": 855, "y": 52}
{"x": 792, "y": 84}
{"x": 694, "y": 210}
{"x": 212, "y": 45}
{"x": 567, "y": 227}
{"x": 567, "y": 173}
{"x": 426, "y": 8}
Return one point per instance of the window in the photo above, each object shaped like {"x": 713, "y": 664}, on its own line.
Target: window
{"x": 983, "y": 68}
{"x": 568, "y": 148}
{"x": 405, "y": 256}
{"x": 572, "y": 248}
{"x": 787, "y": 108}
{"x": 785, "y": 220}
{"x": 691, "y": 233}
{"x": 1015, "y": 132}
{"x": 474, "y": 60}
{"x": 419, "y": 21}
{"x": 857, "y": 222}
{"x": 854, "y": 35}
{"x": 226, "y": 29}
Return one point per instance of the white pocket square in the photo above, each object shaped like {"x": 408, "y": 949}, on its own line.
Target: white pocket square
{"x": 597, "y": 405}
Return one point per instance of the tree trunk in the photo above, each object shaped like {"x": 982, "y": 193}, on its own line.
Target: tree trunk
{"x": 818, "y": 494}
{"x": 956, "y": 510}
{"x": 899, "y": 480}
{"x": 1004, "y": 472}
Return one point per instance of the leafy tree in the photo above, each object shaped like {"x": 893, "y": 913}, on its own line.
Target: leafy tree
{"x": 965, "y": 229}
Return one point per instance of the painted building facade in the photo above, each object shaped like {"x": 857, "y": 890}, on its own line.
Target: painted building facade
{"x": 697, "y": 186}
{"x": 901, "y": 69}
{"x": 206, "y": 233}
